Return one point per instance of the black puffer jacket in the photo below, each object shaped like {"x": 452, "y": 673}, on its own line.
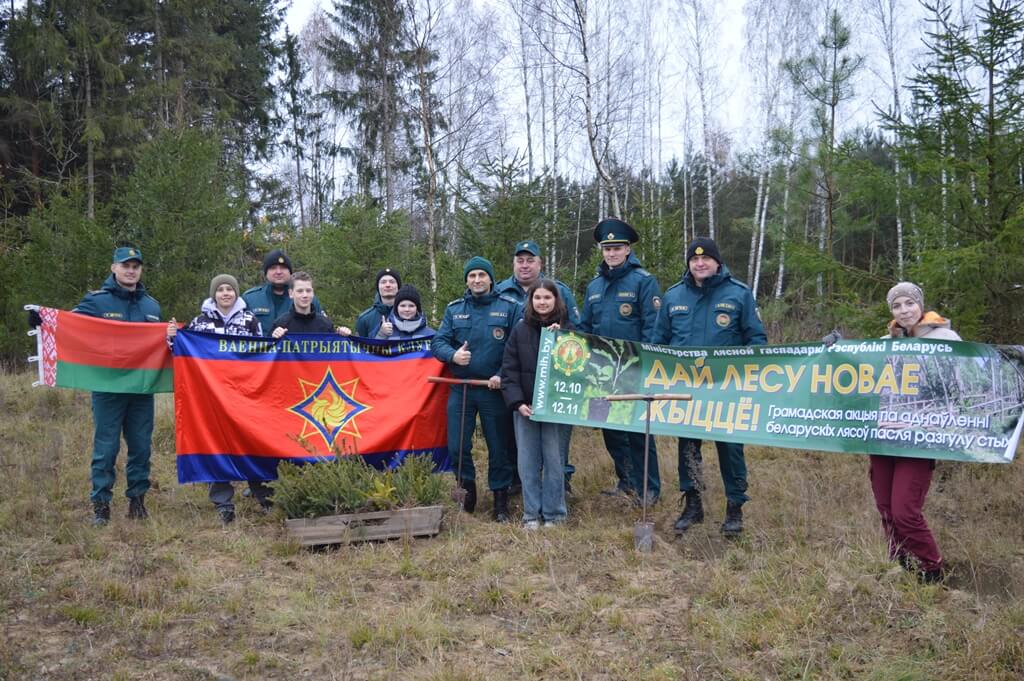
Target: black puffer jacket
{"x": 519, "y": 363}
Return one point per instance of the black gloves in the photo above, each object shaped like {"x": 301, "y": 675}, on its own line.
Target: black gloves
{"x": 34, "y": 320}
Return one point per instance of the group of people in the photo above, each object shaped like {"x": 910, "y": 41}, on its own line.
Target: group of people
{"x": 490, "y": 337}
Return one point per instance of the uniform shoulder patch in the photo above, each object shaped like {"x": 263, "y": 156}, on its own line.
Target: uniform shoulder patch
{"x": 457, "y": 300}
{"x": 642, "y": 272}
{"x": 98, "y": 292}
{"x": 675, "y": 285}
{"x": 739, "y": 283}
{"x": 508, "y": 299}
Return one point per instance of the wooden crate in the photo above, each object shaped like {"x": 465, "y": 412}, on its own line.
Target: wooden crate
{"x": 424, "y": 521}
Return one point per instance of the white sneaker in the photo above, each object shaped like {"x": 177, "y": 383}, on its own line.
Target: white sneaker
{"x": 553, "y": 523}
{"x": 531, "y": 524}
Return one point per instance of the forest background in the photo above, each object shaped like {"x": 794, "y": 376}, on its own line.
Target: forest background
{"x": 879, "y": 140}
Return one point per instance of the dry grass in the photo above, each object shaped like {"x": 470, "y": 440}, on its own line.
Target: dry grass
{"x": 805, "y": 594}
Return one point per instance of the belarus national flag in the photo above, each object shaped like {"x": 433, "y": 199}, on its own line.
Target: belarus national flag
{"x": 88, "y": 353}
{"x": 243, "y": 404}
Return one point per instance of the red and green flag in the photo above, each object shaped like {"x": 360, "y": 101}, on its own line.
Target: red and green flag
{"x": 87, "y": 353}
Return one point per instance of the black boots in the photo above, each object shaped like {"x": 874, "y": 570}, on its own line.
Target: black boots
{"x": 733, "y": 524}
{"x": 501, "y": 506}
{"x": 469, "y": 505}
{"x": 137, "y": 508}
{"x": 693, "y": 512}
{"x": 100, "y": 513}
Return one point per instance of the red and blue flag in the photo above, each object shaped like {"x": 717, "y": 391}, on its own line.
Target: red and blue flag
{"x": 244, "y": 404}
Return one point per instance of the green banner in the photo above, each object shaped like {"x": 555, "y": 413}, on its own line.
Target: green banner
{"x": 897, "y": 397}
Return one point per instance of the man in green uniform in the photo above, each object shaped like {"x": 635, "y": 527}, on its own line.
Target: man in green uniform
{"x": 122, "y": 298}
{"x": 270, "y": 301}
{"x": 471, "y": 341}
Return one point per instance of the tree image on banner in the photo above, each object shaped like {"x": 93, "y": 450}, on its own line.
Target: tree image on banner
{"x": 610, "y": 361}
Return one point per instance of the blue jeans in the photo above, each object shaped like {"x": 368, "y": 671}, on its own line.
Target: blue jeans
{"x": 564, "y": 438}
{"x": 494, "y": 422}
{"x": 627, "y": 452}
{"x": 112, "y": 415}
{"x": 731, "y": 462}
{"x": 541, "y": 469}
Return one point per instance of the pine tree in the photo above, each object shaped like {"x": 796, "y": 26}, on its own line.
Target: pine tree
{"x": 370, "y": 53}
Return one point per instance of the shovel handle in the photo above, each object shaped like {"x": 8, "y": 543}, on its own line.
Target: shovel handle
{"x": 458, "y": 381}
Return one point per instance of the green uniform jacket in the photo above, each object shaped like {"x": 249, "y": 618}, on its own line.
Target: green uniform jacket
{"x": 621, "y": 302}
{"x": 112, "y": 301}
{"x": 721, "y": 312}
{"x": 511, "y": 288}
{"x": 368, "y": 322}
{"x": 486, "y": 322}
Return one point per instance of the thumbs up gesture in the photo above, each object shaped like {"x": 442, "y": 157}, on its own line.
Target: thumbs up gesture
{"x": 386, "y": 327}
{"x": 462, "y": 355}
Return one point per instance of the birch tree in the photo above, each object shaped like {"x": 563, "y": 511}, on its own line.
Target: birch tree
{"x": 573, "y": 28}
{"x": 886, "y": 17}
{"x": 700, "y": 29}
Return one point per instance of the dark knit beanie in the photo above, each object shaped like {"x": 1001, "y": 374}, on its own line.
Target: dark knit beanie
{"x": 478, "y": 263}
{"x": 703, "y": 245}
{"x": 389, "y": 272}
{"x": 223, "y": 279}
{"x": 409, "y": 293}
{"x": 276, "y": 257}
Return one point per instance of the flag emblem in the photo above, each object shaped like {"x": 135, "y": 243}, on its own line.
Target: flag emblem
{"x": 329, "y": 408}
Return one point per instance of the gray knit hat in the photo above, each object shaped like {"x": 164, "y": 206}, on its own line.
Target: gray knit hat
{"x": 908, "y": 290}
{"x": 223, "y": 279}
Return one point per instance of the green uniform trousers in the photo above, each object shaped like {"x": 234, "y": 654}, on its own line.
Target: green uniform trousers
{"x": 112, "y": 415}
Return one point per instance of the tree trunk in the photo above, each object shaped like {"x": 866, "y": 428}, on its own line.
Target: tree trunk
{"x": 754, "y": 225}
{"x": 524, "y": 73}
{"x": 588, "y": 107}
{"x": 90, "y": 145}
{"x": 762, "y": 228}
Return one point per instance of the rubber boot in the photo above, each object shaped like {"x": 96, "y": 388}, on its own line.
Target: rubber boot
{"x": 501, "y": 506}
{"x": 733, "y": 524}
{"x": 137, "y": 508}
{"x": 100, "y": 513}
{"x": 469, "y": 505}
{"x": 693, "y": 512}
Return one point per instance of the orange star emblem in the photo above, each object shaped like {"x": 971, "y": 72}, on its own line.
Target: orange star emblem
{"x": 329, "y": 408}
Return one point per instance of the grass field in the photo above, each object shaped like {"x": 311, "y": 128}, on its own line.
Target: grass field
{"x": 806, "y": 593}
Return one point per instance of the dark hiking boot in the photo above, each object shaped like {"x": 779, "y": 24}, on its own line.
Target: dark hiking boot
{"x": 733, "y": 524}
{"x": 469, "y": 504}
{"x": 100, "y": 513}
{"x": 227, "y": 516}
{"x": 501, "y": 506}
{"x": 137, "y": 508}
{"x": 693, "y": 512}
